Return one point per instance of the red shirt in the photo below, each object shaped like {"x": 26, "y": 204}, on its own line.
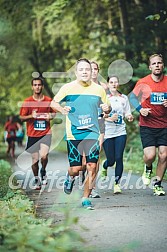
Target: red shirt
{"x": 37, "y": 127}
{"x": 150, "y": 95}
{"x": 11, "y": 129}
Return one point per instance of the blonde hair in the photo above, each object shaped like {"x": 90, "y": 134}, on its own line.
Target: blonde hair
{"x": 155, "y": 55}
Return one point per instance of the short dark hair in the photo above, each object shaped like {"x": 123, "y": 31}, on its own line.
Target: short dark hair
{"x": 109, "y": 77}
{"x": 38, "y": 78}
{"x": 82, "y": 59}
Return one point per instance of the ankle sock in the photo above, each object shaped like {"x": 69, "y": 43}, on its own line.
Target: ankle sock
{"x": 43, "y": 173}
{"x": 149, "y": 168}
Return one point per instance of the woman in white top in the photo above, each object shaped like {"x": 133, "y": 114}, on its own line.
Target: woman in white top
{"x": 115, "y": 131}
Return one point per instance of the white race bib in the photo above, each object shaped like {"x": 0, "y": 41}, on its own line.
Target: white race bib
{"x": 157, "y": 98}
{"x": 39, "y": 125}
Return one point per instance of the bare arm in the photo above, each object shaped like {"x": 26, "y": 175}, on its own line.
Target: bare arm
{"x": 34, "y": 115}
{"x": 25, "y": 118}
{"x": 57, "y": 107}
{"x": 106, "y": 108}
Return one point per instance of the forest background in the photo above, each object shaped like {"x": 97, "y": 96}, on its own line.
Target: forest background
{"x": 47, "y": 37}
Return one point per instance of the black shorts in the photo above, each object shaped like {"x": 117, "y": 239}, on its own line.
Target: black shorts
{"x": 33, "y": 143}
{"x": 153, "y": 136}
{"x": 11, "y": 139}
{"x": 77, "y": 148}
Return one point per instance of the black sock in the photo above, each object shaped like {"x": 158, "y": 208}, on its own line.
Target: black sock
{"x": 37, "y": 181}
{"x": 43, "y": 172}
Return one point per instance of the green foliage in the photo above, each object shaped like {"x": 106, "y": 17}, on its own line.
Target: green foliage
{"x": 153, "y": 17}
{"x": 5, "y": 172}
{"x": 62, "y": 147}
{"x": 2, "y": 145}
{"x": 48, "y": 36}
{"x": 161, "y": 16}
{"x": 21, "y": 231}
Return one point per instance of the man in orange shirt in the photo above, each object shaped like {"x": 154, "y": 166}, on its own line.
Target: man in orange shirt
{"x": 11, "y": 128}
{"x": 152, "y": 90}
{"x": 37, "y": 113}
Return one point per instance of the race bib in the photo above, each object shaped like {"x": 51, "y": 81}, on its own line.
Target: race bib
{"x": 39, "y": 125}
{"x": 11, "y": 133}
{"x": 85, "y": 122}
{"x": 119, "y": 121}
{"x": 157, "y": 98}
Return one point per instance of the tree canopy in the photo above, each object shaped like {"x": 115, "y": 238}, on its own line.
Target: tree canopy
{"x": 49, "y": 36}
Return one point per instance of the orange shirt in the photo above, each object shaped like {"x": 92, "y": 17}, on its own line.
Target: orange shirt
{"x": 37, "y": 127}
{"x": 150, "y": 95}
{"x": 11, "y": 128}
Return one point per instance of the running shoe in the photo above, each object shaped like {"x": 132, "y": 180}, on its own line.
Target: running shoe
{"x": 37, "y": 184}
{"x": 94, "y": 194}
{"x": 103, "y": 173}
{"x": 117, "y": 189}
{"x": 86, "y": 203}
{"x": 68, "y": 184}
{"x": 44, "y": 181}
{"x": 158, "y": 190}
{"x": 43, "y": 177}
{"x": 146, "y": 177}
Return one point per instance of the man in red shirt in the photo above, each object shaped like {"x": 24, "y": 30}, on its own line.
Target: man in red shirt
{"x": 152, "y": 91}
{"x": 37, "y": 113}
{"x": 11, "y": 128}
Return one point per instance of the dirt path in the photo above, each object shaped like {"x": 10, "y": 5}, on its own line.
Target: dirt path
{"x": 133, "y": 221}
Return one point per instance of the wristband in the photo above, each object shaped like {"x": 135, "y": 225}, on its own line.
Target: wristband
{"x": 138, "y": 108}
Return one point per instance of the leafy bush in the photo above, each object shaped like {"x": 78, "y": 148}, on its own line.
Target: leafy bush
{"x": 20, "y": 231}
{"x": 5, "y": 172}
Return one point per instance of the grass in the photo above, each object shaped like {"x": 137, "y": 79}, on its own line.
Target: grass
{"x": 3, "y": 148}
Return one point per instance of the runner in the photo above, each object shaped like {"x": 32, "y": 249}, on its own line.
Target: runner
{"x": 115, "y": 131}
{"x": 82, "y": 98}
{"x": 11, "y": 128}
{"x": 20, "y": 134}
{"x": 152, "y": 90}
{"x": 95, "y": 73}
{"x": 37, "y": 113}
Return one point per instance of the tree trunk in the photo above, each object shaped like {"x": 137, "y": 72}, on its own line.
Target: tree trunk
{"x": 125, "y": 28}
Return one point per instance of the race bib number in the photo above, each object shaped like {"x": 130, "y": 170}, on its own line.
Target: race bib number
{"x": 39, "y": 125}
{"x": 157, "y": 98}
{"x": 85, "y": 122}
{"x": 119, "y": 121}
